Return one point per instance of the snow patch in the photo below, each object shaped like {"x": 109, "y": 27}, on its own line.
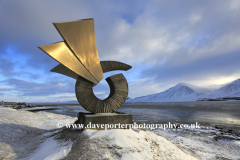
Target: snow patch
{"x": 202, "y": 143}
{"x": 50, "y": 150}
{"x": 137, "y": 145}
{"x": 40, "y": 120}
{"x": 24, "y": 132}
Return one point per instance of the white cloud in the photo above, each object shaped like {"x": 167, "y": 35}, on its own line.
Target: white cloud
{"x": 234, "y": 4}
{"x": 194, "y": 18}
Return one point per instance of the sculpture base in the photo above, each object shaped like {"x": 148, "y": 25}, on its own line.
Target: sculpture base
{"x": 105, "y": 121}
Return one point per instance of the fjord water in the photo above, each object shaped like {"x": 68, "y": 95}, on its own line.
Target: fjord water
{"x": 224, "y": 114}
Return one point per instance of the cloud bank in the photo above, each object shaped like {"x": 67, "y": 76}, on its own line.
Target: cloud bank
{"x": 166, "y": 42}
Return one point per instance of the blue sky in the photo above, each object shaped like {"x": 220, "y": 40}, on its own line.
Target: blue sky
{"x": 166, "y": 42}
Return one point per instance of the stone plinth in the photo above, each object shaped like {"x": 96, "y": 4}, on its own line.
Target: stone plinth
{"x": 104, "y": 120}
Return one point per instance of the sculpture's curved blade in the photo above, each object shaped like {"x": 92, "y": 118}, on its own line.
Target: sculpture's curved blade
{"x": 80, "y": 37}
{"x": 114, "y": 65}
{"x": 61, "y": 53}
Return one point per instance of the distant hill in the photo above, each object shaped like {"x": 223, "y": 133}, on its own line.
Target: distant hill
{"x": 188, "y": 92}
{"x": 229, "y": 90}
{"x": 199, "y": 90}
{"x": 180, "y": 92}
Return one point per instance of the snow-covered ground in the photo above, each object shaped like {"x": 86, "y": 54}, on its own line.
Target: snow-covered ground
{"x": 205, "y": 143}
{"x": 26, "y": 135}
{"x": 134, "y": 145}
{"x": 30, "y": 135}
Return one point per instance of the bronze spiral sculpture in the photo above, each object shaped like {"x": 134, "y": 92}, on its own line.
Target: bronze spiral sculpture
{"x": 78, "y": 58}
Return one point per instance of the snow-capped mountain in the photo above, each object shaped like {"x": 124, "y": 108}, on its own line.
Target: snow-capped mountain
{"x": 215, "y": 87}
{"x": 180, "y": 92}
{"x": 229, "y": 90}
{"x": 199, "y": 90}
{"x": 188, "y": 92}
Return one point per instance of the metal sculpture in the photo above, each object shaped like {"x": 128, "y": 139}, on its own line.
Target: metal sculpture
{"x": 78, "y": 58}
